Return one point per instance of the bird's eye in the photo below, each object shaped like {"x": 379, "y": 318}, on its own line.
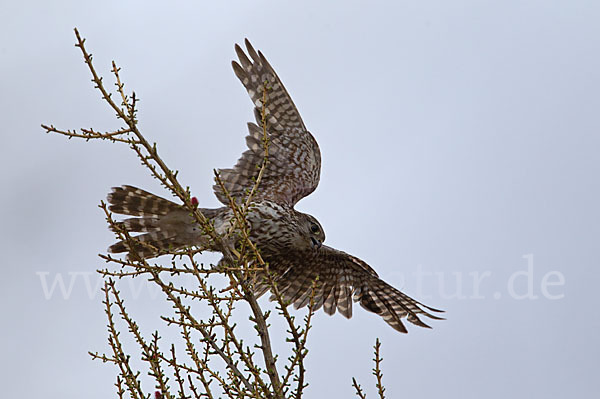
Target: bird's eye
{"x": 314, "y": 228}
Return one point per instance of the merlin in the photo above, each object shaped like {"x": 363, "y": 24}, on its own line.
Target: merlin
{"x": 291, "y": 242}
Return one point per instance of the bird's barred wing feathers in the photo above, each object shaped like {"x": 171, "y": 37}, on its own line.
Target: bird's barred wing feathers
{"x": 256, "y": 73}
{"x": 294, "y": 165}
{"x": 342, "y": 279}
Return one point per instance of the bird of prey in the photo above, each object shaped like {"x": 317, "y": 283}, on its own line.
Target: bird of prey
{"x": 291, "y": 242}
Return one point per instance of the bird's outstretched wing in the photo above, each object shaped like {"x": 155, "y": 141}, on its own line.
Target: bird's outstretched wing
{"x": 294, "y": 158}
{"x": 341, "y": 279}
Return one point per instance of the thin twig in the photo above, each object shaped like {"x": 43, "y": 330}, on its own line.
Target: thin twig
{"x": 358, "y": 389}
{"x": 377, "y": 370}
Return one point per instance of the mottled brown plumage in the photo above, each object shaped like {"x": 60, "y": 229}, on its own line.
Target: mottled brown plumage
{"x": 290, "y": 241}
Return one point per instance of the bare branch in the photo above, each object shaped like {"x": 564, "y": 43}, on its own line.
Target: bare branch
{"x": 377, "y": 370}
{"x": 358, "y": 389}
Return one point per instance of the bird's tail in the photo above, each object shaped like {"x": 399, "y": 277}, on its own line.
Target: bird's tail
{"x": 163, "y": 222}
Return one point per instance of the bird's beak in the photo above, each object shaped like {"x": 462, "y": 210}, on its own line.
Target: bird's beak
{"x": 316, "y": 243}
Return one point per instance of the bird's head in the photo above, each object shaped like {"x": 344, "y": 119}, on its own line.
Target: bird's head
{"x": 312, "y": 231}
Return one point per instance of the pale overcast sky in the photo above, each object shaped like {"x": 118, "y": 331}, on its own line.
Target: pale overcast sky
{"x": 460, "y": 145}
